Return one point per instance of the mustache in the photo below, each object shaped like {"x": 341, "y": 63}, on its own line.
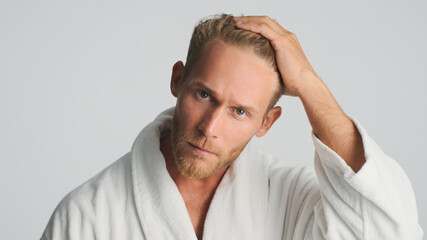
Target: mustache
{"x": 201, "y": 142}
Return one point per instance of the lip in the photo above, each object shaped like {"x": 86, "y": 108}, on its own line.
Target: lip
{"x": 200, "y": 151}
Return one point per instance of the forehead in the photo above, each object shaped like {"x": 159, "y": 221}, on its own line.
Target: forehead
{"x": 235, "y": 73}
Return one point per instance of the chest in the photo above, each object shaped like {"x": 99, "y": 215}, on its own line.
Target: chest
{"x": 197, "y": 206}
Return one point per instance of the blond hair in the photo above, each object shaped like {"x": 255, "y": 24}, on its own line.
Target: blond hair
{"x": 221, "y": 27}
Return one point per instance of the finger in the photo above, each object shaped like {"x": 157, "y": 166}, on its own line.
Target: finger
{"x": 260, "y": 27}
{"x": 247, "y": 21}
{"x": 271, "y": 22}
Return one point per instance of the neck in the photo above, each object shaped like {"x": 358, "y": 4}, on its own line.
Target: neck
{"x": 184, "y": 183}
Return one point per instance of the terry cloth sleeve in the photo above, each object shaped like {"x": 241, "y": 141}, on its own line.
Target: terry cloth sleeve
{"x": 377, "y": 202}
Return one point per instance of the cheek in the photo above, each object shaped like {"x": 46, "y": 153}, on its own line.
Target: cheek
{"x": 188, "y": 112}
{"x": 240, "y": 134}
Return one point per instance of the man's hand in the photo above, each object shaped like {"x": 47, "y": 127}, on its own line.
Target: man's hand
{"x": 329, "y": 122}
{"x": 297, "y": 72}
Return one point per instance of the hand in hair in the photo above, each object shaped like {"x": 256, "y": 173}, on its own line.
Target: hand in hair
{"x": 297, "y": 72}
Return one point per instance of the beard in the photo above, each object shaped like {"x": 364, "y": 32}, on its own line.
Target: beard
{"x": 189, "y": 163}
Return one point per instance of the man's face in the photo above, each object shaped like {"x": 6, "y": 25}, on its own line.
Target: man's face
{"x": 220, "y": 106}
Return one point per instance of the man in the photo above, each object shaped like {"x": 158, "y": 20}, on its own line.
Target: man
{"x": 191, "y": 173}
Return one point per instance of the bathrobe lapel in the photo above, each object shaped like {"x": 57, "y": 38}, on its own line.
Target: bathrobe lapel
{"x": 237, "y": 210}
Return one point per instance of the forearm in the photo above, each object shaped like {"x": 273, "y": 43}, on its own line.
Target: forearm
{"x": 329, "y": 122}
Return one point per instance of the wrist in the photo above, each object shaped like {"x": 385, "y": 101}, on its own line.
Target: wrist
{"x": 311, "y": 85}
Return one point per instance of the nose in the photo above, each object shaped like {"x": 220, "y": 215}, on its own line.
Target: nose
{"x": 210, "y": 123}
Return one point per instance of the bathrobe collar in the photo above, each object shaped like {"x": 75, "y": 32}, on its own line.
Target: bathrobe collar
{"x": 237, "y": 209}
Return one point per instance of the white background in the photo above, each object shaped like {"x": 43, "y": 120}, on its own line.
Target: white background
{"x": 80, "y": 79}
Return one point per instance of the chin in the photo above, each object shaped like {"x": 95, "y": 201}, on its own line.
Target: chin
{"x": 196, "y": 167}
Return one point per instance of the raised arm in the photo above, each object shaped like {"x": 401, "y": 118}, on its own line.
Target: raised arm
{"x": 329, "y": 122}
{"x": 375, "y": 201}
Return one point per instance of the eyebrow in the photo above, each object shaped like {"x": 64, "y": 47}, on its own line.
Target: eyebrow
{"x": 213, "y": 93}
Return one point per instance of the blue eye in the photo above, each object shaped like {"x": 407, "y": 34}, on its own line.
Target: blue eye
{"x": 203, "y": 94}
{"x": 240, "y": 112}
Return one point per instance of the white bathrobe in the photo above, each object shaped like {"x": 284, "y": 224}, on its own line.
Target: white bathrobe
{"x": 259, "y": 197}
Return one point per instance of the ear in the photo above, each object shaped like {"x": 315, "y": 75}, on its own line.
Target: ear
{"x": 271, "y": 117}
{"x": 177, "y": 74}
